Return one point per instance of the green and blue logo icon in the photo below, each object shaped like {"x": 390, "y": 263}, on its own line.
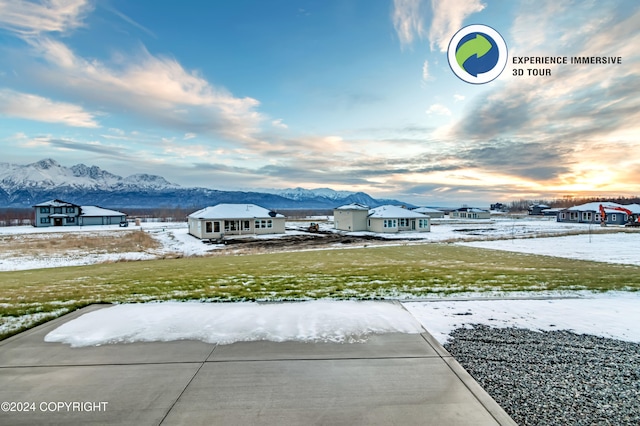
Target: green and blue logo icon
{"x": 477, "y": 54}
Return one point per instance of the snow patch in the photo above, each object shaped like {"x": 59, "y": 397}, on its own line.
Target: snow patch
{"x": 313, "y": 321}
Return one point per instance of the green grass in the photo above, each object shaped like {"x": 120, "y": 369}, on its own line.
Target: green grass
{"x": 370, "y": 273}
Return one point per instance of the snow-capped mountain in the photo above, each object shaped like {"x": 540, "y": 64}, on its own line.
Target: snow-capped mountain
{"x": 26, "y": 185}
{"x": 305, "y": 194}
{"x": 49, "y": 174}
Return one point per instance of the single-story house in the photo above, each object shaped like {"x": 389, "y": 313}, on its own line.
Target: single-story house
{"x": 62, "y": 213}
{"x": 590, "y": 213}
{"x": 387, "y": 219}
{"x": 432, "y": 213}
{"x": 234, "y": 219}
{"x": 351, "y": 217}
{"x": 470, "y": 213}
{"x": 537, "y": 209}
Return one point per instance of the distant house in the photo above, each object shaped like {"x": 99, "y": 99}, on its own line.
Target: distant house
{"x": 62, "y": 213}
{"x": 590, "y": 213}
{"x": 470, "y": 213}
{"x": 432, "y": 213}
{"x": 537, "y": 209}
{"x": 383, "y": 219}
{"x": 234, "y": 219}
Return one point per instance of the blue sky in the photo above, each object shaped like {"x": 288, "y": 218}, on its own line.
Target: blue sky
{"x": 347, "y": 94}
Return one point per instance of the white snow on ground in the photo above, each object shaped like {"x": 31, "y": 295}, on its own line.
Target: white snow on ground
{"x": 612, "y": 248}
{"x": 324, "y": 321}
{"x": 613, "y": 315}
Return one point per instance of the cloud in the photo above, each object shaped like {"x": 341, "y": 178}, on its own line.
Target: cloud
{"x": 537, "y": 161}
{"x": 31, "y": 17}
{"x": 407, "y": 20}
{"x": 68, "y": 144}
{"x": 448, "y": 18}
{"x": 459, "y": 97}
{"x": 425, "y": 71}
{"x": 37, "y": 108}
{"x": 279, "y": 124}
{"x": 188, "y": 136}
{"x": 156, "y": 88}
{"x": 438, "y": 109}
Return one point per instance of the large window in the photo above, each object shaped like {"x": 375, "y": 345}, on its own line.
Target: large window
{"x": 245, "y": 225}
{"x": 70, "y": 219}
{"x": 423, "y": 223}
{"x": 216, "y": 226}
{"x": 264, "y": 223}
{"x": 45, "y": 220}
{"x": 71, "y": 209}
{"x": 45, "y": 210}
{"x": 208, "y": 227}
{"x": 390, "y": 223}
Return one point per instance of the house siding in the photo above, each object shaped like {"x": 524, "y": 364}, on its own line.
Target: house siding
{"x": 218, "y": 228}
{"x": 350, "y": 220}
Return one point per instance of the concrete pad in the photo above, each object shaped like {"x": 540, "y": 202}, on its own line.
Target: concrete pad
{"x": 134, "y": 394}
{"x": 392, "y": 345}
{"x": 334, "y": 392}
{"x": 391, "y": 379}
{"x": 30, "y": 349}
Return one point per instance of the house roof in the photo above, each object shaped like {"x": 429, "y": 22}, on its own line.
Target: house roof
{"x": 353, "y": 206}
{"x": 234, "y": 211}
{"x": 92, "y": 211}
{"x": 595, "y": 207}
{"x": 56, "y": 203}
{"x": 394, "y": 212}
{"x": 471, "y": 209}
{"x": 427, "y": 210}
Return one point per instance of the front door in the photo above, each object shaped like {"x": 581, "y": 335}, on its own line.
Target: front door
{"x": 57, "y": 221}
{"x": 413, "y": 224}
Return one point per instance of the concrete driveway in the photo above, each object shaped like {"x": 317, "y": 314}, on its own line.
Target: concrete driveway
{"x": 392, "y": 379}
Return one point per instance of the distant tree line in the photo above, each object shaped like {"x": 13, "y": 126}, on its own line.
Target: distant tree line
{"x": 569, "y": 201}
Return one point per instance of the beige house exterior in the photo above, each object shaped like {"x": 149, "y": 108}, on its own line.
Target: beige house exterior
{"x": 470, "y": 213}
{"x": 351, "y": 217}
{"x": 383, "y": 219}
{"x": 222, "y": 220}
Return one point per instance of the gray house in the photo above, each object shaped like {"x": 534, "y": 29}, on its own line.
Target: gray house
{"x": 383, "y": 219}
{"x": 62, "y": 213}
{"x": 590, "y": 213}
{"x": 432, "y": 213}
{"x": 234, "y": 219}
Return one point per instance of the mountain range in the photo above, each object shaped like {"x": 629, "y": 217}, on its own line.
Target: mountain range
{"x": 26, "y": 185}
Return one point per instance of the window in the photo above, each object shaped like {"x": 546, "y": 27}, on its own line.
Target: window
{"x": 208, "y": 227}
{"x": 404, "y": 222}
{"x": 245, "y": 225}
{"x": 257, "y": 224}
{"x": 586, "y": 216}
{"x": 269, "y": 223}
{"x": 563, "y": 215}
{"x": 71, "y": 210}
{"x": 45, "y": 210}
{"x": 613, "y": 217}
{"x": 231, "y": 225}
{"x": 390, "y": 223}
{"x": 45, "y": 220}
{"x": 70, "y": 219}
{"x": 57, "y": 210}
{"x": 423, "y": 223}
{"x": 216, "y": 226}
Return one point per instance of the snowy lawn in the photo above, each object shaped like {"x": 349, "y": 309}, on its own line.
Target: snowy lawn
{"x": 613, "y": 248}
{"x": 398, "y": 272}
{"x": 613, "y": 315}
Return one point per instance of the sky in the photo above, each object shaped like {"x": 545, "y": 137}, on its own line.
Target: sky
{"x": 353, "y": 95}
